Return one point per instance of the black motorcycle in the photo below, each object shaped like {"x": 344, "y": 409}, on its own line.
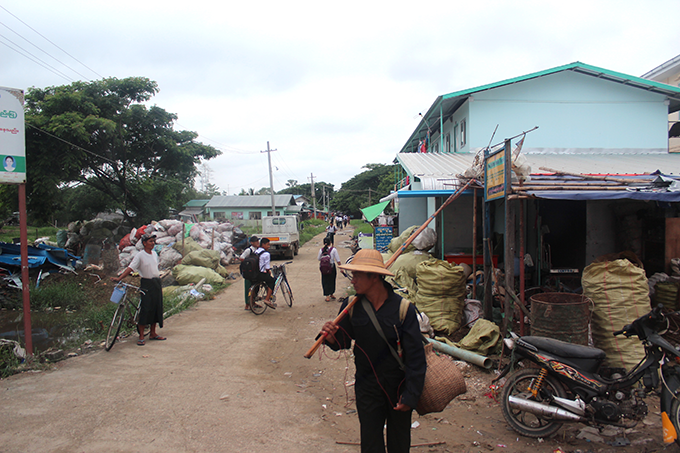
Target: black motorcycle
{"x": 565, "y": 382}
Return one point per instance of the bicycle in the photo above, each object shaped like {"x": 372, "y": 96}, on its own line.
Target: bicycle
{"x": 258, "y": 292}
{"x": 127, "y": 309}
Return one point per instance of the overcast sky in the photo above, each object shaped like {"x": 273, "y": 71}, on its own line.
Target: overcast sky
{"x": 332, "y": 86}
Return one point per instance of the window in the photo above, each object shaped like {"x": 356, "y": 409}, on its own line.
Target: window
{"x": 255, "y": 216}
{"x": 463, "y": 132}
{"x": 279, "y": 221}
{"x": 219, "y": 215}
{"x": 455, "y": 138}
{"x": 447, "y": 143}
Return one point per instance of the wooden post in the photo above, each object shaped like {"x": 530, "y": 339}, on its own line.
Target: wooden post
{"x": 509, "y": 243}
{"x": 474, "y": 243}
{"x": 521, "y": 264}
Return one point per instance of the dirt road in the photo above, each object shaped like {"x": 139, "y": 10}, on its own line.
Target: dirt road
{"x": 229, "y": 381}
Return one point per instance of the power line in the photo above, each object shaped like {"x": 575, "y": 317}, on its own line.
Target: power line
{"x": 48, "y": 40}
{"x": 43, "y": 51}
{"x": 44, "y": 63}
{"x": 37, "y": 62}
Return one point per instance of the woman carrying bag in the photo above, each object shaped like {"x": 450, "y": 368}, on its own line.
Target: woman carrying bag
{"x": 328, "y": 256}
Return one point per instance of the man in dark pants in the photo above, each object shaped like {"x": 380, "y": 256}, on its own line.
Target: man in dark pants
{"x": 151, "y": 311}
{"x": 385, "y": 393}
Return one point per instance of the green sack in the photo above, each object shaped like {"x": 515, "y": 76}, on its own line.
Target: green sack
{"x": 193, "y": 274}
{"x": 620, "y": 295}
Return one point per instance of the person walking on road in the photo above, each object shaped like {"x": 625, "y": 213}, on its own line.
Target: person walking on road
{"x": 387, "y": 387}
{"x": 254, "y": 245}
{"x": 330, "y": 232}
{"x": 265, "y": 270}
{"x": 151, "y": 311}
{"x": 328, "y": 256}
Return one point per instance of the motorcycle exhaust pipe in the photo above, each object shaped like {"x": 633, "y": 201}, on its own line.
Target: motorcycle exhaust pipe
{"x": 542, "y": 409}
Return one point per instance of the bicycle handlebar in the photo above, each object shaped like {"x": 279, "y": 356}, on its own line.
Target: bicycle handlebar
{"x": 127, "y": 285}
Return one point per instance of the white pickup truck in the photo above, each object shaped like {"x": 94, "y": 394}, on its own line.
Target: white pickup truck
{"x": 282, "y": 232}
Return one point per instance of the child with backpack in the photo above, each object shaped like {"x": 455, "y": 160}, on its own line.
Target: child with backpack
{"x": 250, "y": 268}
{"x": 327, "y": 257}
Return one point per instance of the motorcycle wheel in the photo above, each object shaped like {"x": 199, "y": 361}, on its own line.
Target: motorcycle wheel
{"x": 526, "y": 423}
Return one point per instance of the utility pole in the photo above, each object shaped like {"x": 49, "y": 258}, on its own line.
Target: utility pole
{"x": 323, "y": 197}
{"x": 313, "y": 197}
{"x": 271, "y": 178}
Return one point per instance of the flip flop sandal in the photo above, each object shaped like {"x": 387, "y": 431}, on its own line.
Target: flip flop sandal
{"x": 158, "y": 337}
{"x": 140, "y": 342}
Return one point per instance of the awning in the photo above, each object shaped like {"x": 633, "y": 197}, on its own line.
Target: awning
{"x": 371, "y": 212}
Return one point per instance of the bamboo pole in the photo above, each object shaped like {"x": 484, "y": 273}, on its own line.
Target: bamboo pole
{"x": 594, "y": 178}
{"x": 322, "y": 336}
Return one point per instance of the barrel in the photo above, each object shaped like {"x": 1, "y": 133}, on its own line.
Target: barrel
{"x": 561, "y": 316}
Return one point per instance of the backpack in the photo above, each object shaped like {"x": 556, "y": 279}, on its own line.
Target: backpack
{"x": 250, "y": 267}
{"x": 326, "y": 263}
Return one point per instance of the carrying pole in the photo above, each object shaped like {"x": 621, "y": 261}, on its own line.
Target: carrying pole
{"x": 393, "y": 258}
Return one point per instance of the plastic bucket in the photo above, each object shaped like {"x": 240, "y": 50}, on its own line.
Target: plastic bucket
{"x": 118, "y": 294}
{"x": 561, "y": 316}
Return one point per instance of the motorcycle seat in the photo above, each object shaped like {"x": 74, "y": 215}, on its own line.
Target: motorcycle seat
{"x": 564, "y": 349}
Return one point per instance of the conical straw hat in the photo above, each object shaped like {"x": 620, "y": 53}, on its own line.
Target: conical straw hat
{"x": 367, "y": 260}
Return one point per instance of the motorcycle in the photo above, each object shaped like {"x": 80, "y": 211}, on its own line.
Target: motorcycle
{"x": 567, "y": 383}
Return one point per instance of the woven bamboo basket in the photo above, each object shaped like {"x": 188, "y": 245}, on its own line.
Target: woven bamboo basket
{"x": 443, "y": 382}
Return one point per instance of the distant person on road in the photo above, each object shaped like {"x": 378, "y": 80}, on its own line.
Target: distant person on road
{"x": 254, "y": 245}
{"x": 265, "y": 270}
{"x": 329, "y": 254}
{"x": 330, "y": 232}
{"x": 151, "y": 311}
{"x": 388, "y": 383}
{"x": 338, "y": 221}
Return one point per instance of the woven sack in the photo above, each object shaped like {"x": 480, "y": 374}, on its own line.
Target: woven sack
{"x": 443, "y": 382}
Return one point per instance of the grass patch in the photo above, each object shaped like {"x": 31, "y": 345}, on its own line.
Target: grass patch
{"x": 361, "y": 227}
{"x": 9, "y": 232}
{"x": 310, "y": 228}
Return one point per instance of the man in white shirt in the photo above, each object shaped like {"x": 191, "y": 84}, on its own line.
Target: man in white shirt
{"x": 265, "y": 271}
{"x": 151, "y": 311}
{"x": 254, "y": 246}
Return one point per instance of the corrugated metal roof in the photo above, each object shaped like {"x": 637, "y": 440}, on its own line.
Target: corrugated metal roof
{"x": 250, "y": 201}
{"x": 438, "y": 171}
{"x": 195, "y": 203}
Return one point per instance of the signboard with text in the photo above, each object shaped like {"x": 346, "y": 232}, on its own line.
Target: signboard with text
{"x": 494, "y": 180}
{"x": 383, "y": 236}
{"x": 12, "y": 136}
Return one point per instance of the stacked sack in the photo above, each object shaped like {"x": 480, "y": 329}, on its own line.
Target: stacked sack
{"x": 620, "y": 294}
{"x": 441, "y": 294}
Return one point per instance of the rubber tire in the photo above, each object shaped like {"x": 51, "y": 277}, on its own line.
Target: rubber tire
{"x": 296, "y": 248}
{"x": 114, "y": 328}
{"x": 675, "y": 418}
{"x": 258, "y": 292}
{"x": 287, "y": 293}
{"x": 516, "y": 417}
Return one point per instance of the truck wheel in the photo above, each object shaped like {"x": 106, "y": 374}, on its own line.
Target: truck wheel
{"x": 296, "y": 248}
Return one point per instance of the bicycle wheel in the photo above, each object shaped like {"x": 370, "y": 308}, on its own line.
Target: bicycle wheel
{"x": 287, "y": 292}
{"x": 115, "y": 326}
{"x": 257, "y": 294}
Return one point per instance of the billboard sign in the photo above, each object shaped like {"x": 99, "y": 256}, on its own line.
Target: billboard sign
{"x": 12, "y": 136}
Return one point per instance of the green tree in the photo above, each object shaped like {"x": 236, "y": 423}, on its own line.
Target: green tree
{"x": 364, "y": 189}
{"x": 100, "y": 134}
{"x": 306, "y": 190}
